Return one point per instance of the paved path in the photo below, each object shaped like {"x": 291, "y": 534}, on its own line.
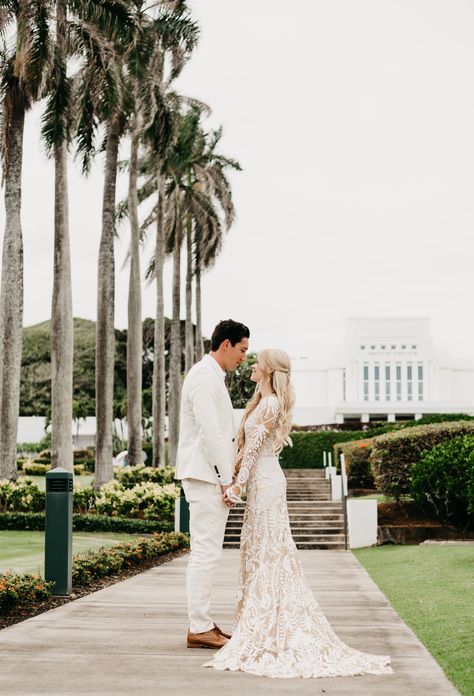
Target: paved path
{"x": 129, "y": 639}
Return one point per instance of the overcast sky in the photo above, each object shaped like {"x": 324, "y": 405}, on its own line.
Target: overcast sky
{"x": 354, "y": 123}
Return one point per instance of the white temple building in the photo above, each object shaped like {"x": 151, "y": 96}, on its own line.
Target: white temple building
{"x": 387, "y": 369}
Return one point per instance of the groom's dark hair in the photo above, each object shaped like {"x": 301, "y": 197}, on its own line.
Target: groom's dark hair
{"x": 228, "y": 329}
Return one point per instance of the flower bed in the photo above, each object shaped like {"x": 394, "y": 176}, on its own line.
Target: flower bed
{"x": 146, "y": 500}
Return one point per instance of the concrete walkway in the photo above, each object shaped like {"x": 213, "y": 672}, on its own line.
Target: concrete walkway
{"x": 129, "y": 639}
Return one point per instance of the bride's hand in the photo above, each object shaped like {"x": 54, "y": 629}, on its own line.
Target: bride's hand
{"x": 232, "y": 495}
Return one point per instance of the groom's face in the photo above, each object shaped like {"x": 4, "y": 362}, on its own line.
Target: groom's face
{"x": 235, "y": 355}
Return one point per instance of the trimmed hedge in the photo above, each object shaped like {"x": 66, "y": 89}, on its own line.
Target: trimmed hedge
{"x": 356, "y": 455}
{"x": 442, "y": 482}
{"x": 308, "y": 447}
{"x": 34, "y": 521}
{"x": 27, "y": 589}
{"x": 94, "y": 565}
{"x": 393, "y": 455}
{"x": 129, "y": 476}
{"x": 22, "y": 589}
{"x": 34, "y": 468}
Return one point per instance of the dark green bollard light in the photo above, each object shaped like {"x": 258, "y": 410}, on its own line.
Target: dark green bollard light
{"x": 181, "y": 518}
{"x": 58, "y": 530}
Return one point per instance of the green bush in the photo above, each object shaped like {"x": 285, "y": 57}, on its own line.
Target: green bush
{"x": 34, "y": 469}
{"x": 356, "y": 456}
{"x": 93, "y": 565}
{"x": 144, "y": 500}
{"x": 308, "y": 447}
{"x": 442, "y": 481}
{"x": 22, "y": 589}
{"x": 129, "y": 476}
{"x": 147, "y": 499}
{"x": 34, "y": 521}
{"x": 21, "y": 496}
{"x": 393, "y": 455}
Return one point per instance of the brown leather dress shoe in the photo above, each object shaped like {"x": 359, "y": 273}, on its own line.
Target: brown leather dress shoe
{"x": 208, "y": 639}
{"x": 226, "y": 635}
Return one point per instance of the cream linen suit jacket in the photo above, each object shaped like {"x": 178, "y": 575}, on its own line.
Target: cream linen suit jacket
{"x": 206, "y": 448}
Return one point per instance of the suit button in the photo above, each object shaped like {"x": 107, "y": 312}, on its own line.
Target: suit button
{"x": 233, "y": 439}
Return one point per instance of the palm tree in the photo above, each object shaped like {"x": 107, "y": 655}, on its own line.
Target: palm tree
{"x": 82, "y": 29}
{"x": 100, "y": 101}
{"x": 195, "y": 182}
{"x": 22, "y": 69}
{"x": 172, "y": 34}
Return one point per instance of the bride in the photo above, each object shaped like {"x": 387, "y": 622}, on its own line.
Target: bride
{"x": 279, "y": 628}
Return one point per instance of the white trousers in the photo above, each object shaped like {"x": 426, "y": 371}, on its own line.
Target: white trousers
{"x": 207, "y": 522}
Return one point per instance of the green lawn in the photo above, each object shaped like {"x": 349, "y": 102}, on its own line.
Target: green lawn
{"x": 23, "y": 552}
{"x": 83, "y": 481}
{"x": 432, "y": 588}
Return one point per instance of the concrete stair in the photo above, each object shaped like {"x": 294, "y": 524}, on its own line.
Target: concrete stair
{"x": 316, "y": 521}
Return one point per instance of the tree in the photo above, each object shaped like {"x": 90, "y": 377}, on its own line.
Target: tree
{"x": 100, "y": 102}
{"x": 195, "y": 181}
{"x": 82, "y": 32}
{"x": 22, "y": 80}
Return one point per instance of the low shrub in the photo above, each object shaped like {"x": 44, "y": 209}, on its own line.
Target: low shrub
{"x": 442, "y": 481}
{"x": 93, "y": 565}
{"x": 34, "y": 521}
{"x": 144, "y": 500}
{"x": 356, "y": 456}
{"x": 23, "y": 589}
{"x": 147, "y": 499}
{"x": 129, "y": 476}
{"x": 393, "y": 455}
{"x": 37, "y": 468}
{"x": 18, "y": 589}
{"x": 21, "y": 496}
{"x": 32, "y": 468}
{"x": 20, "y": 463}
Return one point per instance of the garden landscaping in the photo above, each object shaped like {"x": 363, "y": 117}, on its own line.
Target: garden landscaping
{"x": 25, "y": 595}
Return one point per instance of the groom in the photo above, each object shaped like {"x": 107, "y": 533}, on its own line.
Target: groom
{"x": 204, "y": 463}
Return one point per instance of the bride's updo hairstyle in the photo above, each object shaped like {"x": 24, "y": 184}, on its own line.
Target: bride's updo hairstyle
{"x": 276, "y": 365}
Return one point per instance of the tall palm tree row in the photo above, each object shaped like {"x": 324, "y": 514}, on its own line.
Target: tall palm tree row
{"x": 196, "y": 188}
{"x": 106, "y": 70}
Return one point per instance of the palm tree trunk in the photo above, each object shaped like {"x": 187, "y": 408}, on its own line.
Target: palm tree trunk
{"x": 62, "y": 326}
{"x": 159, "y": 377}
{"x": 199, "y": 341}
{"x": 175, "y": 352}
{"x": 189, "y": 350}
{"x": 105, "y": 330}
{"x": 135, "y": 331}
{"x": 11, "y": 298}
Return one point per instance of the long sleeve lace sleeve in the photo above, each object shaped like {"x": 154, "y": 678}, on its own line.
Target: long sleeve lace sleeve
{"x": 259, "y": 428}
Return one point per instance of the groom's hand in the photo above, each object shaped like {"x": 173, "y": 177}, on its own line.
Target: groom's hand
{"x": 225, "y": 500}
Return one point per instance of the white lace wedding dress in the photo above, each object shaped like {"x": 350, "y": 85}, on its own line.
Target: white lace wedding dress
{"x": 279, "y": 629}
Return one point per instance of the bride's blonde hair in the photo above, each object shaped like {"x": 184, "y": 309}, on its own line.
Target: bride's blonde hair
{"x": 276, "y": 365}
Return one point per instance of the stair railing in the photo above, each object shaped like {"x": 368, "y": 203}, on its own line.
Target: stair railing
{"x": 344, "y": 497}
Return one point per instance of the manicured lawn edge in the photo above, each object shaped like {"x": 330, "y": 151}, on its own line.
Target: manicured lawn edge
{"x": 26, "y": 595}
{"x": 430, "y": 587}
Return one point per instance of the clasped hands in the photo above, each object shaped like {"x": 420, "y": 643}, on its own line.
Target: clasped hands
{"x": 229, "y": 496}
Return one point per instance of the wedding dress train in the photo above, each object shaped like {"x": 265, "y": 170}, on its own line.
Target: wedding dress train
{"x": 279, "y": 628}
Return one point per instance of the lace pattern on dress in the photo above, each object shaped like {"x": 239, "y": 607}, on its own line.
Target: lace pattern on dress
{"x": 279, "y": 629}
